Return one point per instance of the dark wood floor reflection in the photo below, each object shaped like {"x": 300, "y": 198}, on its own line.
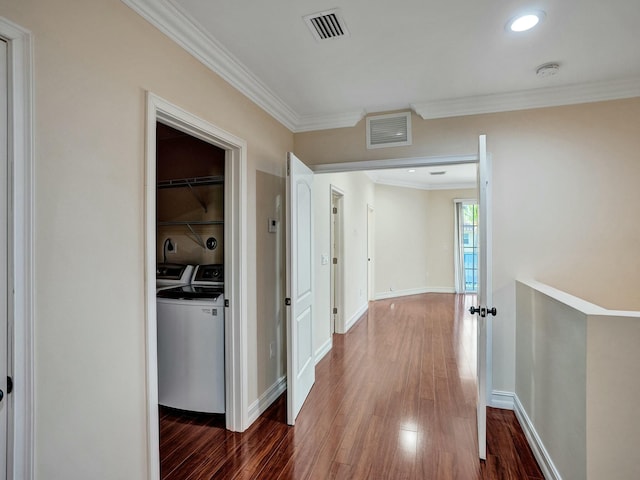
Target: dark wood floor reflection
{"x": 394, "y": 399}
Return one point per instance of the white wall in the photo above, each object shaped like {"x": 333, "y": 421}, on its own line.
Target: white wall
{"x": 358, "y": 192}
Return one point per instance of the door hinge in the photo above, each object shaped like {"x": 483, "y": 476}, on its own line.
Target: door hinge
{"x": 226, "y": 302}
{"x": 335, "y": 210}
{"x": 335, "y": 310}
{"x": 287, "y": 301}
{"x": 9, "y": 385}
{"x": 335, "y": 261}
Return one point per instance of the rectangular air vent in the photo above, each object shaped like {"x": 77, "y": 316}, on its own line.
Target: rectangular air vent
{"x": 326, "y": 25}
{"x": 393, "y": 130}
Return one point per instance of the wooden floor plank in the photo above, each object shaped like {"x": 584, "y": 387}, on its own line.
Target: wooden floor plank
{"x": 393, "y": 399}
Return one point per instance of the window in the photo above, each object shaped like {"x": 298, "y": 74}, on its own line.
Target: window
{"x": 466, "y": 246}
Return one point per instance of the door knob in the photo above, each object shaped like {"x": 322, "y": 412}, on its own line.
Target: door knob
{"x": 492, "y": 311}
{"x": 474, "y": 310}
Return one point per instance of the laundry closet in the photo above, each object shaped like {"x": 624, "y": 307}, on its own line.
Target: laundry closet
{"x": 190, "y": 192}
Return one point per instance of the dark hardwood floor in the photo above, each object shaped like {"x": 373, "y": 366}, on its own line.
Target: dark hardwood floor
{"x": 394, "y": 399}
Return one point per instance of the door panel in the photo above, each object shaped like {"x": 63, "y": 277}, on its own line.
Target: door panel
{"x": 300, "y": 354}
{"x": 484, "y": 289}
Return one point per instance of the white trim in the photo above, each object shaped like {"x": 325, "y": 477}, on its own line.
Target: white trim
{"x": 337, "y": 292}
{"x": 259, "y": 406}
{"x": 173, "y": 21}
{"x": 21, "y": 153}
{"x": 356, "y": 316}
{"x": 323, "y": 350}
{"x": 170, "y": 19}
{"x": 413, "y": 291}
{"x": 236, "y": 376}
{"x": 310, "y": 123}
{"x": 422, "y": 186}
{"x": 501, "y": 399}
{"x": 545, "y": 462}
{"x": 394, "y": 163}
{"x": 526, "y": 99}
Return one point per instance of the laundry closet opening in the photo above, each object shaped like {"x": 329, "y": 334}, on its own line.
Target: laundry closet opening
{"x": 190, "y": 217}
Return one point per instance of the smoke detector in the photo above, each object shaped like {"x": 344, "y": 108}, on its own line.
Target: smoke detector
{"x": 548, "y": 70}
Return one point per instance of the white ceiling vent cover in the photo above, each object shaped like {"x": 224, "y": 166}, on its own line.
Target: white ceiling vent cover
{"x": 393, "y": 130}
{"x": 326, "y": 25}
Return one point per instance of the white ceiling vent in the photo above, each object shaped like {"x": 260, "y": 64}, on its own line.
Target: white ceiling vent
{"x": 393, "y": 130}
{"x": 326, "y": 25}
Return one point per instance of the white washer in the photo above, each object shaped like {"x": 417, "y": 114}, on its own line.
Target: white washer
{"x": 191, "y": 343}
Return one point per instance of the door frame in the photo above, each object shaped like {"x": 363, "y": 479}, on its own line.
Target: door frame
{"x": 236, "y": 375}
{"x": 371, "y": 246}
{"x": 412, "y": 162}
{"x": 20, "y": 216}
{"x": 336, "y": 278}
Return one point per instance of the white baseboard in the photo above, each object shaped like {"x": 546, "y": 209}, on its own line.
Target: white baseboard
{"x": 542, "y": 456}
{"x": 413, "y": 291}
{"x": 356, "y": 316}
{"x": 324, "y": 349}
{"x": 258, "y": 407}
{"x": 501, "y": 399}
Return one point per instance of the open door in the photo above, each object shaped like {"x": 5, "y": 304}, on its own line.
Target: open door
{"x": 485, "y": 295}
{"x": 299, "y": 220}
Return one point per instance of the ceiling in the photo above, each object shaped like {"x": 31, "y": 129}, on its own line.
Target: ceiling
{"x": 454, "y": 177}
{"x": 439, "y": 58}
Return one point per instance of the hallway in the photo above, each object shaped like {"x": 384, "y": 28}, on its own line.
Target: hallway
{"x": 394, "y": 399}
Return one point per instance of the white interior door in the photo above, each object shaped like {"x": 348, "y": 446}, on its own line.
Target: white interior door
{"x": 4, "y": 152}
{"x": 485, "y": 309}
{"x": 299, "y": 220}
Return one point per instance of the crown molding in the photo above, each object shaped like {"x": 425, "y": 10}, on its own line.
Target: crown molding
{"x": 526, "y": 99}
{"x": 174, "y": 23}
{"x": 310, "y": 123}
{"x": 178, "y": 26}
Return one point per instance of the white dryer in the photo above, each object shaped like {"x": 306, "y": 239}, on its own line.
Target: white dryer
{"x": 191, "y": 373}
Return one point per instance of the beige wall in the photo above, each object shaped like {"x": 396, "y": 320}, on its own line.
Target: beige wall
{"x": 613, "y": 390}
{"x": 401, "y": 233}
{"x": 94, "y": 61}
{"x": 415, "y": 232}
{"x": 270, "y": 272}
{"x": 564, "y": 191}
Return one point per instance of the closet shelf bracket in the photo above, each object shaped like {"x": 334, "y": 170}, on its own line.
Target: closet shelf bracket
{"x": 197, "y": 236}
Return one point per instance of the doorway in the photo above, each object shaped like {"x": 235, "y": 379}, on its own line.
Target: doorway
{"x": 370, "y": 253}
{"x": 484, "y": 328}
{"x": 235, "y": 254}
{"x": 337, "y": 261}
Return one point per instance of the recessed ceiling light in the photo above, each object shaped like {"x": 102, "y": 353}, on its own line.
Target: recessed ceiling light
{"x": 526, "y": 21}
{"x": 412, "y": 170}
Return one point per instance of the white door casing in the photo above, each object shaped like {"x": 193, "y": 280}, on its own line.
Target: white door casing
{"x": 235, "y": 274}
{"x": 4, "y": 273}
{"x": 299, "y": 222}
{"x": 20, "y": 183}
